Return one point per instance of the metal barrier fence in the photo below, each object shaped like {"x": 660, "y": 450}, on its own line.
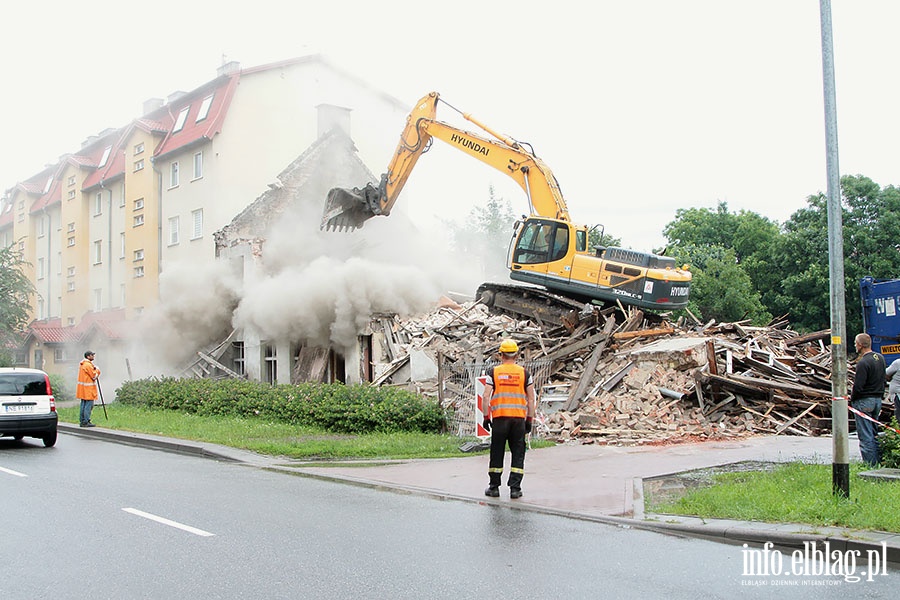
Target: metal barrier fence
{"x": 457, "y": 385}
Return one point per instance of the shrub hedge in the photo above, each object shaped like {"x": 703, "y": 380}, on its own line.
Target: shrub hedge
{"x": 889, "y": 443}
{"x": 336, "y": 407}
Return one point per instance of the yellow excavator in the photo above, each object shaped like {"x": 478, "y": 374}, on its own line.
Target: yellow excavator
{"x": 546, "y": 250}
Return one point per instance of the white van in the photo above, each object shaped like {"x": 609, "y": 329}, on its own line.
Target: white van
{"x": 27, "y": 405}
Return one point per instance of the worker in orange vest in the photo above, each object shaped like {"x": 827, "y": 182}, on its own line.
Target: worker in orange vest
{"x": 509, "y": 414}
{"x": 86, "y": 390}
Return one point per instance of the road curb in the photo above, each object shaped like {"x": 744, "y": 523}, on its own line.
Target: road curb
{"x": 784, "y": 536}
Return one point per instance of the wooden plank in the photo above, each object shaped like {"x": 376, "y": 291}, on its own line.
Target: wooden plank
{"x": 588, "y": 374}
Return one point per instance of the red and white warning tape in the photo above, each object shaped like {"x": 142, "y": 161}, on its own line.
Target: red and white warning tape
{"x": 865, "y": 416}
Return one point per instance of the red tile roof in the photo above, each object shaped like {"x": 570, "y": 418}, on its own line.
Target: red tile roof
{"x": 222, "y": 91}
{"x": 51, "y": 331}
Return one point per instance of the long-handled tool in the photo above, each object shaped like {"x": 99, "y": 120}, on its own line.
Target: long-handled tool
{"x": 102, "y": 403}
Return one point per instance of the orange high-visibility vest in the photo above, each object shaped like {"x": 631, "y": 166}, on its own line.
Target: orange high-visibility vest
{"x": 509, "y": 399}
{"x": 87, "y": 386}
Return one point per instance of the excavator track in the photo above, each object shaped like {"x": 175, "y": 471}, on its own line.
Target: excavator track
{"x": 534, "y": 303}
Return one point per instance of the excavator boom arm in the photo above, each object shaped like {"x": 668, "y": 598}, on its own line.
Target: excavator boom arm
{"x": 348, "y": 209}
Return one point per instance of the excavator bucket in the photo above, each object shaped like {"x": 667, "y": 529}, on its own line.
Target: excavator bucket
{"x": 346, "y": 210}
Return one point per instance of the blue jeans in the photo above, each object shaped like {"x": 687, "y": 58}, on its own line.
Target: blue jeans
{"x": 84, "y": 416}
{"x": 866, "y": 430}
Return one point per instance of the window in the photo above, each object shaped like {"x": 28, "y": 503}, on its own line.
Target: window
{"x": 70, "y": 286}
{"x": 271, "y": 360}
{"x": 40, "y": 269}
{"x": 121, "y": 245}
{"x": 59, "y": 355}
{"x": 70, "y": 321}
{"x": 70, "y": 195}
{"x": 198, "y": 165}
{"x": 139, "y": 204}
{"x": 173, "y": 174}
{"x": 138, "y": 220}
{"x": 71, "y": 241}
{"x": 48, "y": 184}
{"x": 182, "y": 117}
{"x": 98, "y": 295}
{"x": 71, "y": 227}
{"x": 98, "y": 252}
{"x": 70, "y": 181}
{"x": 173, "y": 230}
{"x": 138, "y": 165}
{"x": 70, "y": 272}
{"x": 98, "y": 203}
{"x": 105, "y": 157}
{"x": 138, "y": 148}
{"x": 204, "y": 109}
{"x": 41, "y": 226}
{"x": 138, "y": 255}
{"x": 237, "y": 351}
{"x": 139, "y": 271}
{"x": 122, "y": 197}
{"x": 197, "y": 224}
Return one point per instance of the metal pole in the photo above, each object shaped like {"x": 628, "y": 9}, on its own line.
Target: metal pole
{"x": 840, "y": 468}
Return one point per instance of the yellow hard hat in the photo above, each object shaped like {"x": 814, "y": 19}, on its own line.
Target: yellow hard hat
{"x": 509, "y": 346}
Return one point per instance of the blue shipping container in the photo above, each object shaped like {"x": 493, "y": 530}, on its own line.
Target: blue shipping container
{"x": 881, "y": 319}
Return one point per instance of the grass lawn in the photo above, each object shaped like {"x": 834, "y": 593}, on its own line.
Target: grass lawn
{"x": 278, "y": 439}
{"x": 792, "y": 493}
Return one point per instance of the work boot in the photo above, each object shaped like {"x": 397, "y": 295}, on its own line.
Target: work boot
{"x": 515, "y": 493}
{"x": 493, "y": 492}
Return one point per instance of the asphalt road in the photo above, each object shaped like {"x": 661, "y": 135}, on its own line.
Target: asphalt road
{"x": 92, "y": 519}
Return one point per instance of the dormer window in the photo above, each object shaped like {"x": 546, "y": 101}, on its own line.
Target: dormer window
{"x": 105, "y": 157}
{"x": 204, "y": 108}
{"x": 182, "y": 117}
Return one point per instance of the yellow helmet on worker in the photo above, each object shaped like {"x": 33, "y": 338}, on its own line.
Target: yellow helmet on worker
{"x": 509, "y": 346}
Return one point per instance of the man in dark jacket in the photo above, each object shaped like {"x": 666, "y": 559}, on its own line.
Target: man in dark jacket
{"x": 868, "y": 389}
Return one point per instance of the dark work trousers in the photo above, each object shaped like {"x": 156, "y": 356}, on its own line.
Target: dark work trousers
{"x": 507, "y": 430}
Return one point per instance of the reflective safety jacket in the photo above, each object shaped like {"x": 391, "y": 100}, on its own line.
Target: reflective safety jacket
{"x": 87, "y": 381}
{"x": 509, "y": 399}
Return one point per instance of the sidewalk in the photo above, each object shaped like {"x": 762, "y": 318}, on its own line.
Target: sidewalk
{"x": 589, "y": 482}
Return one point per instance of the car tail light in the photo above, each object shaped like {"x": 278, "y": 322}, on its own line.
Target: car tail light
{"x": 49, "y": 389}
{"x": 52, "y": 404}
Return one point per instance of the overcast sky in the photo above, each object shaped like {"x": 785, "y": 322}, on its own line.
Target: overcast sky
{"x": 640, "y": 108}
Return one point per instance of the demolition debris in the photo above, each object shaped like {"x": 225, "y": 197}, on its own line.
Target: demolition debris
{"x": 620, "y": 376}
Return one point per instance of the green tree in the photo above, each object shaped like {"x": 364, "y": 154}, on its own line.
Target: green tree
{"x": 16, "y": 291}
{"x": 486, "y": 233}
{"x": 871, "y": 231}
{"x": 720, "y": 288}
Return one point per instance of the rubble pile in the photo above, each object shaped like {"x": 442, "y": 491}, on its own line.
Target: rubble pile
{"x": 623, "y": 377}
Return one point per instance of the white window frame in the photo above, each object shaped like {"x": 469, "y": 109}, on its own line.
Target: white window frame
{"x": 70, "y": 287}
{"x": 138, "y": 220}
{"x": 198, "y": 165}
{"x": 173, "y": 174}
{"x": 138, "y": 255}
{"x": 98, "y": 204}
{"x": 182, "y": 117}
{"x": 122, "y": 245}
{"x": 138, "y": 165}
{"x": 105, "y": 157}
{"x": 139, "y": 271}
{"x": 40, "y": 269}
{"x": 71, "y": 241}
{"x": 138, "y": 148}
{"x": 174, "y": 230}
{"x": 139, "y": 204}
{"x": 197, "y": 224}
{"x": 70, "y": 272}
{"x": 98, "y": 252}
{"x": 204, "y": 108}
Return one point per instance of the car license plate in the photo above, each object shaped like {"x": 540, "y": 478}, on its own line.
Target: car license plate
{"x": 19, "y": 408}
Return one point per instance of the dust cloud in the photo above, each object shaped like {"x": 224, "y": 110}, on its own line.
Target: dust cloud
{"x": 309, "y": 286}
